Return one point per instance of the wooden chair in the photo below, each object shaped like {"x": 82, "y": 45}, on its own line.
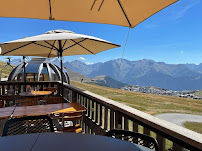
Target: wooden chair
{"x": 28, "y": 102}
{"x": 134, "y": 137}
{"x": 52, "y": 100}
{"x": 71, "y": 117}
{"x": 29, "y": 124}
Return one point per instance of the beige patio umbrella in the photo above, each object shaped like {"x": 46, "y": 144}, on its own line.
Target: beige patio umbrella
{"x": 56, "y": 43}
{"x": 118, "y": 12}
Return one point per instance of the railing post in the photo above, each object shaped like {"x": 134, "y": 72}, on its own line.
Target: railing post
{"x": 126, "y": 127}
{"x": 177, "y": 147}
{"x": 111, "y": 119}
{"x": 88, "y": 107}
{"x": 106, "y": 118}
{"x": 74, "y": 97}
{"x": 96, "y": 112}
{"x": 118, "y": 120}
{"x": 135, "y": 127}
{"x": 146, "y": 131}
{"x": 161, "y": 142}
{"x": 100, "y": 123}
{"x": 92, "y": 110}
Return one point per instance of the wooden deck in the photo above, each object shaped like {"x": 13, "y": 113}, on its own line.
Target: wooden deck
{"x": 104, "y": 114}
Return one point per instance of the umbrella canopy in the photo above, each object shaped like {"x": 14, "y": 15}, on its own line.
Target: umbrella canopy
{"x": 55, "y": 43}
{"x": 52, "y": 42}
{"x": 118, "y": 12}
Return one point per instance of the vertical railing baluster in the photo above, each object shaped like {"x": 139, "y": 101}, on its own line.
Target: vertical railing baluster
{"x": 111, "y": 119}
{"x": 74, "y": 97}
{"x": 106, "y": 118}
{"x": 79, "y": 98}
{"x": 126, "y": 127}
{"x": 92, "y": 110}
{"x": 100, "y": 122}
{"x": 146, "y": 131}
{"x": 135, "y": 126}
{"x": 177, "y": 147}
{"x": 96, "y": 112}
{"x": 161, "y": 142}
{"x": 118, "y": 120}
{"x": 85, "y": 102}
{"x": 88, "y": 107}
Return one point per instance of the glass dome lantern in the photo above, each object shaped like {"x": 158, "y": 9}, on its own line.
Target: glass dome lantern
{"x": 38, "y": 69}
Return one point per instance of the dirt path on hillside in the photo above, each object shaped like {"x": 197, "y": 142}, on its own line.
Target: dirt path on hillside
{"x": 178, "y": 118}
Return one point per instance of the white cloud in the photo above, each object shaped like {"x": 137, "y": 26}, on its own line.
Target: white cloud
{"x": 89, "y": 63}
{"x": 185, "y": 9}
{"x": 151, "y": 26}
{"x": 181, "y": 51}
{"x": 176, "y": 12}
{"x": 81, "y": 58}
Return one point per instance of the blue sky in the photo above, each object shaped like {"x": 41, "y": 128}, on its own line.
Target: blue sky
{"x": 173, "y": 35}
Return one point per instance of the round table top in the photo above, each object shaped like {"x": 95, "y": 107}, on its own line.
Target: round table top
{"x": 35, "y": 93}
{"x": 66, "y": 141}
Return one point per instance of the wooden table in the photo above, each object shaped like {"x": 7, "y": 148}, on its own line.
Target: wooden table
{"x": 66, "y": 141}
{"x": 6, "y": 112}
{"x": 35, "y": 93}
{"x": 48, "y": 109}
{"x": 41, "y": 110}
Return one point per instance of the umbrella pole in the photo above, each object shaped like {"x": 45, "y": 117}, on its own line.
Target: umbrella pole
{"x": 24, "y": 73}
{"x": 61, "y": 64}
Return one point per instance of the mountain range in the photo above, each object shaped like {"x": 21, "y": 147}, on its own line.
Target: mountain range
{"x": 144, "y": 73}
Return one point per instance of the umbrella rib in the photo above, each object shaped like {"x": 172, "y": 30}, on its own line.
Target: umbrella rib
{"x": 105, "y": 42}
{"x": 51, "y": 49}
{"x": 50, "y": 44}
{"x": 64, "y": 43}
{"x": 41, "y": 45}
{"x": 83, "y": 47}
{"x": 18, "y": 48}
{"x": 124, "y": 13}
{"x": 100, "y": 5}
{"x": 74, "y": 44}
{"x": 93, "y": 5}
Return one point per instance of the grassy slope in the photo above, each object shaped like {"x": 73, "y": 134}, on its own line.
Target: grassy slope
{"x": 77, "y": 77}
{"x": 6, "y": 70}
{"x": 149, "y": 103}
{"x": 194, "y": 126}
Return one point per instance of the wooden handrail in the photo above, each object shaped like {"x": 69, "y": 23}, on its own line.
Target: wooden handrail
{"x": 27, "y": 83}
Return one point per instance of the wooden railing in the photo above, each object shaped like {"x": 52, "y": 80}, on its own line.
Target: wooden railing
{"x": 104, "y": 114}
{"x": 19, "y": 87}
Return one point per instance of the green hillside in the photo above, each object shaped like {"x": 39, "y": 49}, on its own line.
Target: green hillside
{"x": 76, "y": 76}
{"x": 194, "y": 126}
{"x": 149, "y": 103}
{"x": 6, "y": 70}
